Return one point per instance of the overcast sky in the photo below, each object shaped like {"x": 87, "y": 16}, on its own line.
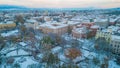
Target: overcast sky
{"x": 63, "y": 3}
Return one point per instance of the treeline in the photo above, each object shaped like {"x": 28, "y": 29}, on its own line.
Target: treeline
{"x": 113, "y": 12}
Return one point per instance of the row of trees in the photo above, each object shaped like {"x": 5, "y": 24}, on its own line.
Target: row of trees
{"x": 103, "y": 46}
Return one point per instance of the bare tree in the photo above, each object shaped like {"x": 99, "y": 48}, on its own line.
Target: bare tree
{"x": 51, "y": 59}
{"x": 47, "y": 43}
{"x": 72, "y": 53}
{"x": 101, "y": 44}
{"x": 19, "y": 19}
{"x": 58, "y": 39}
{"x": 2, "y": 43}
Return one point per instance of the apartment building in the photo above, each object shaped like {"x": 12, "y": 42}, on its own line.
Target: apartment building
{"x": 106, "y": 35}
{"x": 115, "y": 44}
{"x": 55, "y": 28}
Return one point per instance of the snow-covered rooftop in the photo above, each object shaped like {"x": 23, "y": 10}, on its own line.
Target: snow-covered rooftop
{"x": 114, "y": 28}
{"x": 20, "y": 52}
{"x": 112, "y": 20}
{"x": 28, "y": 61}
{"x": 31, "y": 21}
{"x": 53, "y": 25}
{"x": 73, "y": 22}
{"x": 87, "y": 22}
{"x": 14, "y": 32}
{"x": 115, "y": 37}
{"x": 107, "y": 30}
{"x": 8, "y": 22}
{"x": 76, "y": 19}
{"x": 100, "y": 20}
{"x": 56, "y": 49}
{"x": 79, "y": 30}
{"x": 23, "y": 43}
{"x": 95, "y": 26}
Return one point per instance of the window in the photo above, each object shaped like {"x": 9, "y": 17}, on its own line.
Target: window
{"x": 115, "y": 46}
{"x": 118, "y": 46}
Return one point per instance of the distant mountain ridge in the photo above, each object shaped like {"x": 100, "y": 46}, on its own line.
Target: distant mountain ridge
{"x": 11, "y": 7}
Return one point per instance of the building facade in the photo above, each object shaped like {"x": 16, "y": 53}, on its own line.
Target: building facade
{"x": 93, "y": 30}
{"x": 105, "y": 35}
{"x": 115, "y": 44}
{"x": 114, "y": 41}
{"x": 55, "y": 28}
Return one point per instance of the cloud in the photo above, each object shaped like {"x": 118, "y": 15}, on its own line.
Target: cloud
{"x": 63, "y": 3}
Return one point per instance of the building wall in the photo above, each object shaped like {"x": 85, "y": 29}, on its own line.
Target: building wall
{"x": 115, "y": 45}
{"x": 93, "y": 31}
{"x": 58, "y": 31}
{"x": 11, "y": 25}
{"x": 107, "y": 36}
{"x": 78, "y": 35}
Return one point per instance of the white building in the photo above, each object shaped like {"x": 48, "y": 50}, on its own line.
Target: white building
{"x": 115, "y": 44}
{"x": 31, "y": 23}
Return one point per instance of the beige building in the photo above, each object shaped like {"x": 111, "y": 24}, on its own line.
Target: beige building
{"x": 106, "y": 35}
{"x": 9, "y": 24}
{"x": 55, "y": 28}
{"x": 58, "y": 28}
{"x": 114, "y": 40}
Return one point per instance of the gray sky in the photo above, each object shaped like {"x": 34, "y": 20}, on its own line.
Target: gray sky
{"x": 64, "y": 3}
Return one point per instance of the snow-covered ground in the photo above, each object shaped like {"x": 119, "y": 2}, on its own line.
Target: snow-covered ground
{"x": 13, "y": 32}
{"x": 27, "y": 62}
{"x": 86, "y": 60}
{"x": 20, "y": 52}
{"x": 112, "y": 64}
